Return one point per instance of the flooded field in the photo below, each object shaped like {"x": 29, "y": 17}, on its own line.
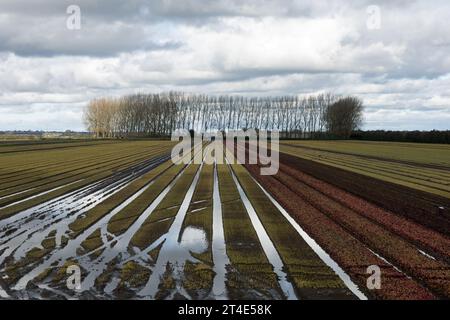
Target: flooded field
{"x": 135, "y": 225}
{"x": 146, "y": 229}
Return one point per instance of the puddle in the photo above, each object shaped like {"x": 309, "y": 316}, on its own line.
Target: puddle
{"x": 32, "y": 226}
{"x": 219, "y": 253}
{"x": 120, "y": 247}
{"x": 172, "y": 251}
{"x": 197, "y": 210}
{"x": 194, "y": 239}
{"x": 267, "y": 244}
{"x": 3, "y": 293}
{"x": 389, "y": 263}
{"x": 112, "y": 285}
{"x": 426, "y": 254}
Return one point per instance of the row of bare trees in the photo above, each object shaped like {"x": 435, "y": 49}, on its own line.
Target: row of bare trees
{"x": 161, "y": 114}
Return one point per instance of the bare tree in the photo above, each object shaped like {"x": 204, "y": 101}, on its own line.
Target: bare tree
{"x": 344, "y": 116}
{"x": 160, "y": 114}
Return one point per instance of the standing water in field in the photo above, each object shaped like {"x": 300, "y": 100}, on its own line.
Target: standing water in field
{"x": 325, "y": 257}
{"x": 267, "y": 244}
{"x": 220, "y": 256}
{"x": 171, "y": 251}
{"x": 25, "y": 231}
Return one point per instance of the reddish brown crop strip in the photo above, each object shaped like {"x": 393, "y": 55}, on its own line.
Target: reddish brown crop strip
{"x": 355, "y": 226}
{"x": 435, "y": 274}
{"x": 351, "y": 253}
{"x": 415, "y": 205}
{"x": 427, "y": 240}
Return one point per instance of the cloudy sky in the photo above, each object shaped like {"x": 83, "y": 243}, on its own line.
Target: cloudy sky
{"x": 398, "y": 64}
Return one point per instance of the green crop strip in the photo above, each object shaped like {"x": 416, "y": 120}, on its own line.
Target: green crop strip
{"x": 109, "y": 204}
{"x": 12, "y": 210}
{"x": 69, "y": 171}
{"x": 199, "y": 214}
{"x": 420, "y": 153}
{"x": 52, "y": 178}
{"x": 159, "y": 222}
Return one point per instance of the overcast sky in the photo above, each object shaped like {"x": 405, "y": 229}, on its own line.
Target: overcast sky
{"x": 398, "y": 64}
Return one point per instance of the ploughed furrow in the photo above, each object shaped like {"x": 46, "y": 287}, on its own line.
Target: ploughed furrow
{"x": 250, "y": 275}
{"x": 427, "y": 209}
{"x": 109, "y": 174}
{"x": 313, "y": 279}
{"x": 220, "y": 257}
{"x": 53, "y": 175}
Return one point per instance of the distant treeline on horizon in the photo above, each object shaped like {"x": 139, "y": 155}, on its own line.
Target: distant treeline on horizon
{"x": 433, "y": 136}
{"x": 160, "y": 114}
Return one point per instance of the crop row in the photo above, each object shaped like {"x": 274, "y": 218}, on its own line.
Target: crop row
{"x": 22, "y": 164}
{"x": 352, "y": 254}
{"x": 427, "y": 240}
{"x": 68, "y": 169}
{"x": 434, "y": 274}
{"x": 312, "y": 278}
{"x": 250, "y": 270}
{"x": 417, "y": 178}
{"x": 55, "y": 179}
{"x": 50, "y": 164}
{"x": 69, "y": 184}
{"x": 412, "y": 204}
{"x": 346, "y": 249}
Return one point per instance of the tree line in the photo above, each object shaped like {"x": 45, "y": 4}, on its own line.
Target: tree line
{"x": 158, "y": 115}
{"x": 434, "y": 136}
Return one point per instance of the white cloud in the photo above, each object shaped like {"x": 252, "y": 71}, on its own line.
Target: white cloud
{"x": 47, "y": 72}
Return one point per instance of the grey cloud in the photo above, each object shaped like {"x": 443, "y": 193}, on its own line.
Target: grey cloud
{"x": 256, "y": 47}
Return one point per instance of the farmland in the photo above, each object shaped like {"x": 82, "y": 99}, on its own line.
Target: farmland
{"x": 142, "y": 227}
